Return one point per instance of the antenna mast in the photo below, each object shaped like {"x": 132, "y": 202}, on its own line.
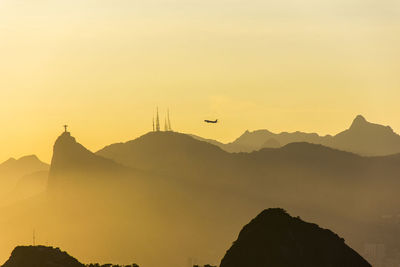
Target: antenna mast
{"x": 169, "y": 122}
{"x": 157, "y": 122}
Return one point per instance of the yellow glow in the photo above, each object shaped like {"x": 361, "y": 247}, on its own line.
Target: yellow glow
{"x": 103, "y": 66}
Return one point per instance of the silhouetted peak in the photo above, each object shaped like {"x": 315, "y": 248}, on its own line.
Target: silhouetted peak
{"x": 22, "y": 160}
{"x": 69, "y": 156}
{"x": 31, "y": 256}
{"x": 161, "y": 142}
{"x": 68, "y": 153}
{"x": 26, "y": 163}
{"x": 29, "y": 158}
{"x": 9, "y": 161}
{"x": 359, "y": 121}
{"x": 254, "y": 138}
{"x": 361, "y": 124}
{"x": 268, "y": 216}
{"x": 66, "y": 138}
{"x": 274, "y": 238}
{"x": 67, "y": 146}
{"x": 273, "y": 212}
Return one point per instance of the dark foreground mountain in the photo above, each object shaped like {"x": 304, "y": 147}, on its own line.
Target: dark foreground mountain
{"x": 363, "y": 138}
{"x": 274, "y": 238}
{"x": 41, "y": 256}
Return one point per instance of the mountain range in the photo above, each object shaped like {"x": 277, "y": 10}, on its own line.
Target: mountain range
{"x": 363, "y": 138}
{"x": 165, "y": 192}
{"x": 22, "y": 178}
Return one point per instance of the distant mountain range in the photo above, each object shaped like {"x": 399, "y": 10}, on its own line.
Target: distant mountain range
{"x": 171, "y": 192}
{"x": 363, "y": 138}
{"x": 22, "y": 178}
{"x": 22, "y": 166}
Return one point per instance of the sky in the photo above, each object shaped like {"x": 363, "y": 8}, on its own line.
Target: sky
{"x": 103, "y": 66}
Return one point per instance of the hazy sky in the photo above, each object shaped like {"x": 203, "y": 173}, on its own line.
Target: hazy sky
{"x": 103, "y": 66}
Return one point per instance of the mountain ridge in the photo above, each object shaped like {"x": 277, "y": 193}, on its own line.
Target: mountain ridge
{"x": 197, "y": 185}
{"x": 362, "y": 137}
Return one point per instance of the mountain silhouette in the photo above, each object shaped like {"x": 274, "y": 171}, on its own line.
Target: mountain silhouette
{"x": 22, "y": 166}
{"x": 274, "y": 238}
{"x": 22, "y": 178}
{"x": 363, "y": 138}
{"x": 72, "y": 163}
{"x": 367, "y": 138}
{"x": 168, "y": 153}
{"x": 44, "y": 256}
{"x": 295, "y": 166}
{"x": 256, "y": 140}
{"x": 170, "y": 186}
{"x": 40, "y": 256}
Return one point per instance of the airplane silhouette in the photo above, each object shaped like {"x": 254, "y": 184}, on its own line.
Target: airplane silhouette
{"x": 208, "y": 121}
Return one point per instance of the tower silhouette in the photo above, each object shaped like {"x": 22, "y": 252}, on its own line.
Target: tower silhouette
{"x": 166, "y": 125}
{"x": 169, "y": 121}
{"x": 157, "y": 122}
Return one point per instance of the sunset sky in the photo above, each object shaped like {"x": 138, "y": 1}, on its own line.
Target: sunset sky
{"x": 103, "y": 66}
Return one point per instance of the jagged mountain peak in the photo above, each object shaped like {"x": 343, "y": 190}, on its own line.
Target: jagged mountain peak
{"x": 359, "y": 121}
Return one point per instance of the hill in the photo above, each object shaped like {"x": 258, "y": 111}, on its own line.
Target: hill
{"x": 21, "y": 178}
{"x": 35, "y": 256}
{"x": 23, "y": 165}
{"x": 73, "y": 164}
{"x": 274, "y": 238}
{"x": 42, "y": 256}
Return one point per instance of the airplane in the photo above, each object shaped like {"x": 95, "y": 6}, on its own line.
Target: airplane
{"x": 208, "y": 121}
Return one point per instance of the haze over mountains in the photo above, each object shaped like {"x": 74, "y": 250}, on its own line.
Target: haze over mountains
{"x": 273, "y": 238}
{"x": 165, "y": 192}
{"x": 22, "y": 178}
{"x": 363, "y": 138}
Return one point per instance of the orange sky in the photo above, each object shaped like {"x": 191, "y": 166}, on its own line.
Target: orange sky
{"x": 103, "y": 66}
